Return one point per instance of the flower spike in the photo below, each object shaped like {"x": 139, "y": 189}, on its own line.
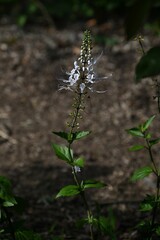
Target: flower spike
{"x": 82, "y": 77}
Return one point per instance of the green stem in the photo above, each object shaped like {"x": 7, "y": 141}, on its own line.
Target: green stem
{"x": 156, "y": 204}
{"x": 151, "y": 157}
{"x": 82, "y": 193}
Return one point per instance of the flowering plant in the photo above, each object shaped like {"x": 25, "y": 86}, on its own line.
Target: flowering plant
{"x": 81, "y": 80}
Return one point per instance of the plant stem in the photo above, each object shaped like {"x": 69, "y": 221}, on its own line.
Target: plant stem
{"x": 156, "y": 203}
{"x": 82, "y": 193}
{"x": 141, "y": 44}
{"x": 151, "y": 157}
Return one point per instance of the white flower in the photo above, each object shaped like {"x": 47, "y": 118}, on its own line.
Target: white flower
{"x": 82, "y": 87}
{"x": 82, "y": 77}
{"x": 77, "y": 169}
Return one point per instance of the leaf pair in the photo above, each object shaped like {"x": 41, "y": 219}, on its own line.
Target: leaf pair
{"x": 72, "y": 190}
{"x": 140, "y": 130}
{"x": 70, "y": 137}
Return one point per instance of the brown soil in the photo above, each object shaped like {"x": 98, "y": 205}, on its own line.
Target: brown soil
{"x": 31, "y": 107}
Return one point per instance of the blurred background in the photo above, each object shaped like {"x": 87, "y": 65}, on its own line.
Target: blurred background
{"x": 39, "y": 41}
{"x": 61, "y": 13}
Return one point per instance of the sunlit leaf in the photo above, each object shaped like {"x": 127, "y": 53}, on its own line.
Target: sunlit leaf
{"x": 79, "y": 162}
{"x": 6, "y": 194}
{"x": 146, "y": 125}
{"x": 80, "y": 134}
{"x": 63, "y": 152}
{"x": 70, "y": 137}
{"x": 145, "y": 207}
{"x": 67, "y": 191}
{"x": 93, "y": 184}
{"x": 141, "y": 173}
{"x": 135, "y": 132}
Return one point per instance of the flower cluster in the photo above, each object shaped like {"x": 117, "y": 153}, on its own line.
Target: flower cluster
{"x": 82, "y": 77}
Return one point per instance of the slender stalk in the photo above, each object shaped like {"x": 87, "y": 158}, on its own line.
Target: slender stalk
{"x": 156, "y": 204}
{"x": 75, "y": 176}
{"x": 74, "y": 121}
{"x": 151, "y": 158}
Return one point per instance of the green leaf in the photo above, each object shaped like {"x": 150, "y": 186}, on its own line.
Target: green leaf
{"x": 145, "y": 207}
{"x": 9, "y": 203}
{"x": 135, "y": 132}
{"x": 67, "y": 191}
{"x": 136, "y": 16}
{"x": 146, "y": 125}
{"x": 80, "y": 134}
{"x": 62, "y": 135}
{"x": 92, "y": 184}
{"x": 149, "y": 64}
{"x": 141, "y": 173}
{"x": 136, "y": 148}
{"x": 74, "y": 136}
{"x": 6, "y": 194}
{"x": 63, "y": 153}
{"x": 154, "y": 141}
{"x": 79, "y": 162}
